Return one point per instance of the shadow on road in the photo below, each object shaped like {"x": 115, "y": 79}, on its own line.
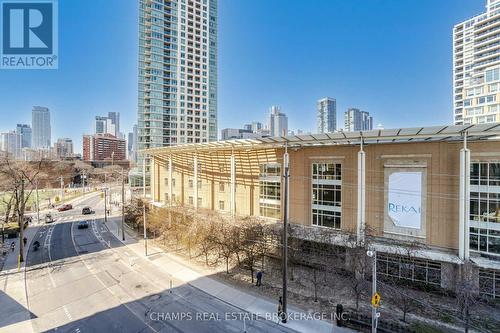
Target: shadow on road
{"x": 12, "y": 311}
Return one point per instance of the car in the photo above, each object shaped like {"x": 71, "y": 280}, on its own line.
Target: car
{"x": 87, "y": 211}
{"x": 49, "y": 218}
{"x": 83, "y": 225}
{"x": 65, "y": 207}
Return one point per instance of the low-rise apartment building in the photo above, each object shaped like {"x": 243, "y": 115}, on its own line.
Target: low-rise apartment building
{"x": 438, "y": 186}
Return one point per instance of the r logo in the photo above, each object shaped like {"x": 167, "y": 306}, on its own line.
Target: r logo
{"x": 27, "y": 28}
{"x": 28, "y": 36}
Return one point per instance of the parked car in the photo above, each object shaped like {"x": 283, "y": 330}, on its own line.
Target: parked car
{"x": 87, "y": 211}
{"x": 83, "y": 225}
{"x": 49, "y": 218}
{"x": 65, "y": 207}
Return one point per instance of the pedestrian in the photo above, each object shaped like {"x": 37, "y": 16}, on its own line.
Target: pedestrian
{"x": 280, "y": 308}
{"x": 259, "y": 278}
{"x": 25, "y": 240}
{"x": 12, "y": 246}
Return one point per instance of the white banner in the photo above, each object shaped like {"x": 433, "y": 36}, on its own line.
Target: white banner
{"x": 404, "y": 204}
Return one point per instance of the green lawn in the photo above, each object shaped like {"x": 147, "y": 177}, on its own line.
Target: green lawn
{"x": 44, "y": 196}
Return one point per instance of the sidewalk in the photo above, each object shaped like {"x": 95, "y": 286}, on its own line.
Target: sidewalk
{"x": 15, "y": 315}
{"x": 258, "y": 306}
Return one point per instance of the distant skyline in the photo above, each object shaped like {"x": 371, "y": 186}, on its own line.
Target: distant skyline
{"x": 390, "y": 58}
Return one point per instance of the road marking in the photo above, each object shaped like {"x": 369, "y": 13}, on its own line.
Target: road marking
{"x": 47, "y": 245}
{"x": 104, "y": 285}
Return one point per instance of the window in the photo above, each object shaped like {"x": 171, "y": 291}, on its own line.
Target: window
{"x": 191, "y": 202}
{"x": 166, "y": 181}
{"x": 221, "y": 204}
{"x": 493, "y": 88}
{"x": 221, "y": 187}
{"x": 173, "y": 182}
{"x": 474, "y": 91}
{"x": 412, "y": 269}
{"x": 199, "y": 202}
{"x": 489, "y": 283}
{"x": 327, "y": 195}
{"x": 484, "y": 214}
{"x": 492, "y": 75}
{"x": 199, "y": 184}
{"x": 166, "y": 196}
{"x": 467, "y": 102}
{"x": 270, "y": 190}
{"x": 190, "y": 182}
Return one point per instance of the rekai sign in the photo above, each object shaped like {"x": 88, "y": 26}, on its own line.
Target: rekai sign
{"x": 29, "y": 34}
{"x": 404, "y": 204}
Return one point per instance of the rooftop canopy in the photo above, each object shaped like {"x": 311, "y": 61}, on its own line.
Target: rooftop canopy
{"x": 414, "y": 134}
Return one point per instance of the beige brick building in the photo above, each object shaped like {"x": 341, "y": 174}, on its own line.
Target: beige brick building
{"x": 439, "y": 186}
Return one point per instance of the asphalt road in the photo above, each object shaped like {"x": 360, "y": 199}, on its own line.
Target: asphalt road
{"x": 84, "y": 280}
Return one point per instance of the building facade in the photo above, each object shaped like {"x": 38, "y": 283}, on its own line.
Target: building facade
{"x": 278, "y": 122}
{"x": 104, "y": 147}
{"x": 234, "y": 133}
{"x": 132, "y": 145}
{"x": 177, "y": 73}
{"x": 105, "y": 125}
{"x": 393, "y": 187}
{"x": 115, "y": 120}
{"x": 356, "y": 120}
{"x": 476, "y": 68}
{"x": 326, "y": 109}
{"x": 41, "y": 128}
{"x": 24, "y": 131}
{"x": 64, "y": 148}
{"x": 10, "y": 143}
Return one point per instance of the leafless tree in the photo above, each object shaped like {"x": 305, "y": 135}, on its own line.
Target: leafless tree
{"x": 467, "y": 293}
{"x": 252, "y": 243}
{"x": 18, "y": 179}
{"x": 357, "y": 265}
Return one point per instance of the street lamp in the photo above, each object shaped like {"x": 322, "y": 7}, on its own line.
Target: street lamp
{"x": 144, "y": 205}
{"x": 373, "y": 254}
{"x": 105, "y": 205}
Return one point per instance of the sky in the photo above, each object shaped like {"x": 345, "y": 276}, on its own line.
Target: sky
{"x": 392, "y": 58}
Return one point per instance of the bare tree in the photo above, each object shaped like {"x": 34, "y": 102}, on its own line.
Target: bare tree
{"x": 357, "y": 265}
{"x": 207, "y": 240}
{"x": 224, "y": 242}
{"x": 19, "y": 178}
{"x": 467, "y": 293}
{"x": 252, "y": 243}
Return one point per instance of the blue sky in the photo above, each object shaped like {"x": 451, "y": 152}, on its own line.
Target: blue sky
{"x": 389, "y": 57}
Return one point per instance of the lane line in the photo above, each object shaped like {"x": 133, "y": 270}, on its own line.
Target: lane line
{"x": 105, "y": 286}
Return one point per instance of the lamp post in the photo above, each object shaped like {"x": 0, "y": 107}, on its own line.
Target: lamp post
{"x": 286, "y": 176}
{"x": 105, "y": 206}
{"x": 373, "y": 254}
{"x": 144, "y": 205}
{"x": 37, "y": 204}
{"x": 123, "y": 205}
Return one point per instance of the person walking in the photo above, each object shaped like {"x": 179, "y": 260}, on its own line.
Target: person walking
{"x": 12, "y": 246}
{"x": 259, "y": 278}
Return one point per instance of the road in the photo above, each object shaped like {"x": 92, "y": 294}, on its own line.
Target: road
{"x": 85, "y": 280}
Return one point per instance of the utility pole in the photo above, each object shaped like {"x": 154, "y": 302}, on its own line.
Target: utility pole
{"x": 62, "y": 190}
{"x": 285, "y": 236}
{"x": 144, "y": 205}
{"x": 105, "y": 207}
{"x": 20, "y": 216}
{"x": 123, "y": 206}
{"x": 37, "y": 204}
{"x": 373, "y": 255}
{"x": 83, "y": 181}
